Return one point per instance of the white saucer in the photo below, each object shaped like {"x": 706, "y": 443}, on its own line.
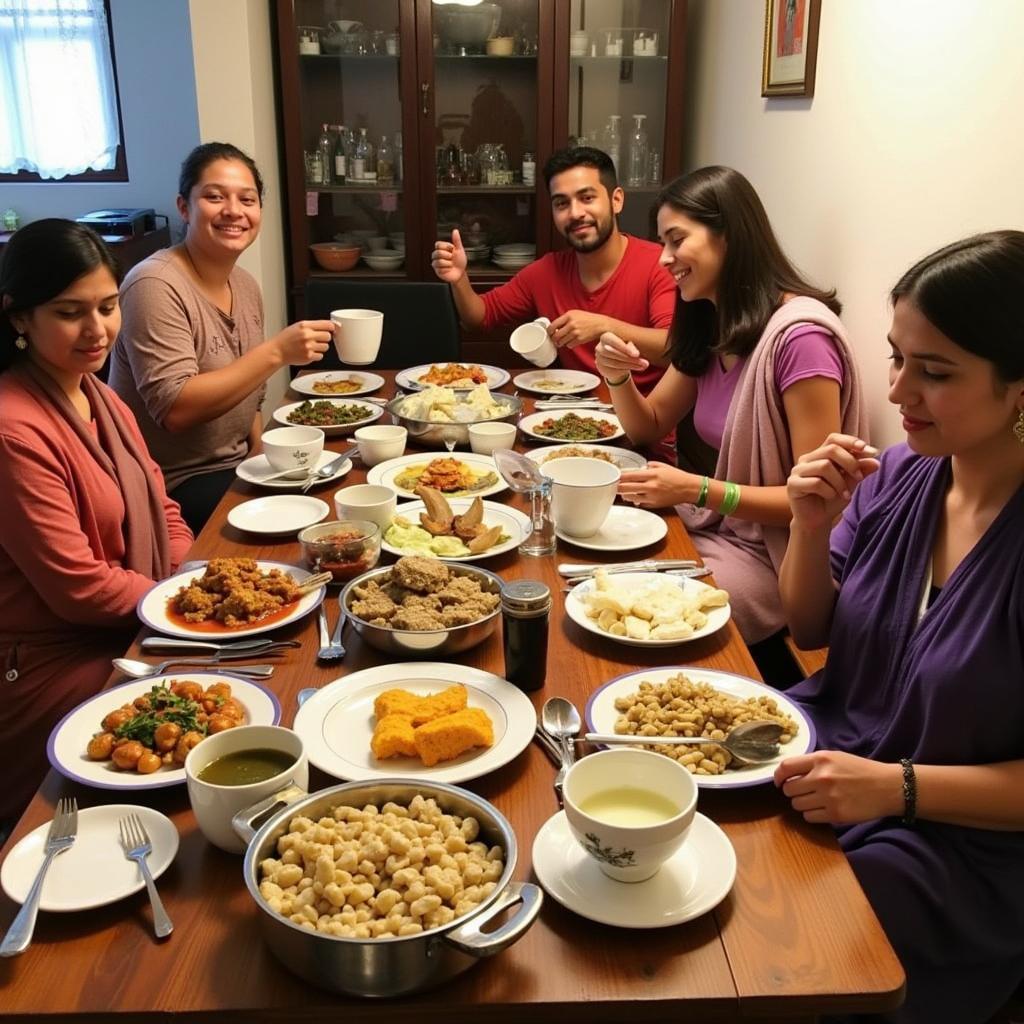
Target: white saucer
{"x": 254, "y": 471}
{"x": 690, "y": 883}
{"x": 282, "y": 513}
{"x": 625, "y": 529}
{"x": 95, "y": 871}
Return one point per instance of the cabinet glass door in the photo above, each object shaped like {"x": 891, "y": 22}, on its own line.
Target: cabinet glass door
{"x": 618, "y": 87}
{"x": 351, "y": 127}
{"x": 485, "y": 129}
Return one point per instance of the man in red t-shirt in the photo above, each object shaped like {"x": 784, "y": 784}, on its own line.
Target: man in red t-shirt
{"x": 607, "y": 281}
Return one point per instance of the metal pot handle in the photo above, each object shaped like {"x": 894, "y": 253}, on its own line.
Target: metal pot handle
{"x": 244, "y": 822}
{"x": 470, "y": 938}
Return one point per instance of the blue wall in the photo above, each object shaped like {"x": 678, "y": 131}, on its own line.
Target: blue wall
{"x": 156, "y": 80}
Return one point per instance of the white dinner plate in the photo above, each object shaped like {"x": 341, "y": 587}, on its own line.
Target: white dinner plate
{"x": 386, "y": 472}
{"x": 410, "y": 378}
{"x": 576, "y": 608}
{"x": 514, "y": 523}
{"x": 373, "y": 412}
{"x": 94, "y": 871}
{"x": 694, "y": 880}
{"x": 258, "y": 468}
{"x": 280, "y": 513}
{"x": 626, "y": 528}
{"x": 368, "y": 383}
{"x": 66, "y": 746}
{"x": 337, "y": 722}
{"x": 152, "y": 606}
{"x": 601, "y": 716}
{"x": 556, "y": 381}
{"x": 528, "y": 424}
{"x": 622, "y": 457}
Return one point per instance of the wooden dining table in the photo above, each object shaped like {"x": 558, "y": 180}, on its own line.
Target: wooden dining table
{"x": 794, "y": 939}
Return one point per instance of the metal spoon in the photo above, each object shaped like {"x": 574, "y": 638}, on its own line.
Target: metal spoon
{"x": 166, "y": 643}
{"x": 748, "y": 742}
{"x": 328, "y": 469}
{"x": 143, "y": 670}
{"x": 562, "y": 722}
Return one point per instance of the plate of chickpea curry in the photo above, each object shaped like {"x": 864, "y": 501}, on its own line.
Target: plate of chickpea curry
{"x": 137, "y": 735}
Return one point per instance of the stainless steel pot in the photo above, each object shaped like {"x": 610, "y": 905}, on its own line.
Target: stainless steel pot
{"x": 387, "y": 967}
{"x": 429, "y": 433}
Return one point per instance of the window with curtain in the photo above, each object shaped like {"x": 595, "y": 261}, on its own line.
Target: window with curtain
{"x": 59, "y": 115}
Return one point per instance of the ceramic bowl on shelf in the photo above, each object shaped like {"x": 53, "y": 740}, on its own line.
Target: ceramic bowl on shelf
{"x": 384, "y": 259}
{"x": 500, "y": 46}
{"x": 335, "y": 255}
{"x": 467, "y": 26}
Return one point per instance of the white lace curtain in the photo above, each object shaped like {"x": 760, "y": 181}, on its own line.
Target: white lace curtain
{"x": 58, "y": 104}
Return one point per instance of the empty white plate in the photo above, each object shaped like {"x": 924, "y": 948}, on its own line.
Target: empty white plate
{"x": 255, "y": 470}
{"x": 625, "y": 529}
{"x": 94, "y": 871}
{"x": 282, "y": 513}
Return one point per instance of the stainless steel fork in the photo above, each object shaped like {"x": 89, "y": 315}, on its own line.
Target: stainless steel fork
{"x": 331, "y": 649}
{"x": 61, "y": 837}
{"x": 137, "y": 847}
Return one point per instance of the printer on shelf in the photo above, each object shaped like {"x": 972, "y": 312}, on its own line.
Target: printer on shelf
{"x": 121, "y": 223}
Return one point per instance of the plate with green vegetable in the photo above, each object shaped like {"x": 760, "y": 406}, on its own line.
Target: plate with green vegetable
{"x": 478, "y": 530}
{"x": 578, "y": 426}
{"x": 68, "y": 745}
{"x": 332, "y": 415}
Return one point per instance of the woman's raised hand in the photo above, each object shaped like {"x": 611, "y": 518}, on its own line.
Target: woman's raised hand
{"x": 658, "y": 486}
{"x": 449, "y": 259}
{"x": 304, "y": 342}
{"x": 614, "y": 357}
{"x": 822, "y": 481}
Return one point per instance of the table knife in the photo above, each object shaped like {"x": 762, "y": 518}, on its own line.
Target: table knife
{"x": 646, "y": 565}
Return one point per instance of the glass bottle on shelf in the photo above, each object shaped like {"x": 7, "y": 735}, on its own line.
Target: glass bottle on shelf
{"x": 529, "y": 169}
{"x": 325, "y": 147}
{"x": 637, "y": 175}
{"x": 365, "y": 168}
{"x": 339, "y": 154}
{"x": 613, "y": 141}
{"x": 385, "y": 162}
{"x": 399, "y": 171}
{"x": 350, "y": 154}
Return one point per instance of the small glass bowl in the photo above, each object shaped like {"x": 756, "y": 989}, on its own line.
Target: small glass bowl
{"x": 345, "y": 548}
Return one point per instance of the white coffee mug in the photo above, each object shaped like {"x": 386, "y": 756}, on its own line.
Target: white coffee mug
{"x": 214, "y": 805}
{"x": 374, "y": 502}
{"x": 531, "y": 341}
{"x": 381, "y": 442}
{"x": 295, "y": 448}
{"x": 357, "y": 335}
{"x": 629, "y": 809}
{"x": 582, "y": 495}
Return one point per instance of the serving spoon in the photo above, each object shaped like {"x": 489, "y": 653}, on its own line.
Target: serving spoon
{"x": 562, "y": 722}
{"x": 143, "y": 670}
{"x": 748, "y": 742}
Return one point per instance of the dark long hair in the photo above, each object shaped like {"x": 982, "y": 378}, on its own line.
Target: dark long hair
{"x": 40, "y": 261}
{"x": 755, "y": 272}
{"x": 971, "y": 291}
{"x": 202, "y": 156}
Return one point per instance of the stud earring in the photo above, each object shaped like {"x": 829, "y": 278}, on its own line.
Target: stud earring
{"x": 1018, "y": 427}
{"x": 21, "y": 343}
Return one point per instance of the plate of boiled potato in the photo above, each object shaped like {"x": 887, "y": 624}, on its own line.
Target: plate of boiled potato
{"x": 647, "y": 609}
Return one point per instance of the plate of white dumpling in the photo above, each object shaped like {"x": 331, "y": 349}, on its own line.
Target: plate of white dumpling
{"x": 648, "y": 609}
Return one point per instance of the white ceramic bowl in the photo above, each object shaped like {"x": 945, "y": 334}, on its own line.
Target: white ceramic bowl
{"x": 382, "y": 442}
{"x": 293, "y": 448}
{"x": 486, "y": 438}
{"x": 372, "y": 502}
{"x": 377, "y": 242}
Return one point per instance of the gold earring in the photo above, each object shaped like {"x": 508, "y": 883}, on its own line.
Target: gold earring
{"x": 1018, "y": 427}
{"x": 21, "y": 343}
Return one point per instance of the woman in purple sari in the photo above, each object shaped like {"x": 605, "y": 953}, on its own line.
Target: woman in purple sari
{"x": 919, "y": 591}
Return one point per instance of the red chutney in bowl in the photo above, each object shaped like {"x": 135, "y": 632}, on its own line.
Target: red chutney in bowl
{"x": 345, "y": 549}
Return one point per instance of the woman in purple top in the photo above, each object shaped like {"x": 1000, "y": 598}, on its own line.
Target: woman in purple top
{"x": 920, "y": 709}
{"x": 760, "y": 357}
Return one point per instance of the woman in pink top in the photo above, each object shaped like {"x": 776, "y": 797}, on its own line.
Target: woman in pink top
{"x": 88, "y": 526}
{"x": 760, "y": 357}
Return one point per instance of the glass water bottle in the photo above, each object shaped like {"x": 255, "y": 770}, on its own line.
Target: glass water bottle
{"x": 637, "y": 175}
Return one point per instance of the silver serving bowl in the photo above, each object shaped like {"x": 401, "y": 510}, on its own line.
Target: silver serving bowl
{"x": 427, "y": 643}
{"x": 431, "y": 434}
{"x": 388, "y": 967}
{"x": 467, "y": 26}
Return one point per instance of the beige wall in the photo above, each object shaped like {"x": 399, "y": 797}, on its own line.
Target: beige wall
{"x": 234, "y": 66}
{"x": 913, "y": 138}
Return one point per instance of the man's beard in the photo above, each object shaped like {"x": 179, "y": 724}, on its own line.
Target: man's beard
{"x": 604, "y": 232}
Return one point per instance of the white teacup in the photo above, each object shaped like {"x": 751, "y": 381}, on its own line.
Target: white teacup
{"x": 380, "y": 443}
{"x": 582, "y": 495}
{"x": 629, "y": 809}
{"x": 374, "y": 502}
{"x": 215, "y": 805}
{"x": 295, "y": 448}
{"x": 531, "y": 341}
{"x": 485, "y": 438}
{"x": 357, "y": 335}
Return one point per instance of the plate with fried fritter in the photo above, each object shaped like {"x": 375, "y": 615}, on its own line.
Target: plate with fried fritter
{"x": 228, "y": 597}
{"x": 456, "y": 476}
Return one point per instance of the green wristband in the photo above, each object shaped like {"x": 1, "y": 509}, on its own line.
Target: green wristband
{"x": 621, "y": 380}
{"x": 731, "y": 500}
{"x": 702, "y": 494}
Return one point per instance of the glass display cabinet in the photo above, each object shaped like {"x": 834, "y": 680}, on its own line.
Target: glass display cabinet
{"x": 402, "y": 120}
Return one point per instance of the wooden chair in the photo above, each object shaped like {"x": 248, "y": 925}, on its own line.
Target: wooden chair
{"x": 808, "y": 662}
{"x": 420, "y": 325}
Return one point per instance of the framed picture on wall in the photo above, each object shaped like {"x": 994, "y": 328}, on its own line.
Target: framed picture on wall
{"x": 790, "y": 47}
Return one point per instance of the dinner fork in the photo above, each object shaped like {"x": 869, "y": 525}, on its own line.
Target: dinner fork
{"x": 60, "y": 837}
{"x": 331, "y": 648}
{"x": 137, "y": 847}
